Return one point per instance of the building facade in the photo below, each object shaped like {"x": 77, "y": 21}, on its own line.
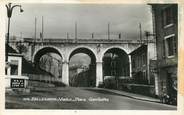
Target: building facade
{"x": 165, "y": 21}
{"x": 14, "y": 80}
{"x": 82, "y": 76}
{"x": 143, "y": 61}
{"x": 139, "y": 65}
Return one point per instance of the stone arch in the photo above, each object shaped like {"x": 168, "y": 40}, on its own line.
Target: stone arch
{"x": 81, "y": 47}
{"x": 89, "y": 79}
{"x": 116, "y": 63}
{"x": 118, "y": 47}
{"x": 43, "y": 50}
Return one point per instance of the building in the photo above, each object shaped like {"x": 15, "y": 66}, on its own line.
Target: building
{"x": 14, "y": 80}
{"x": 21, "y": 71}
{"x": 143, "y": 61}
{"x": 139, "y": 65}
{"x": 74, "y": 72}
{"x": 82, "y": 76}
{"x": 165, "y": 21}
{"x": 76, "y": 69}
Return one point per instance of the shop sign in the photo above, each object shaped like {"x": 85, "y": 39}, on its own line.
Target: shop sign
{"x": 17, "y": 83}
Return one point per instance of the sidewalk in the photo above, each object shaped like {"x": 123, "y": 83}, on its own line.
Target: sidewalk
{"x": 132, "y": 95}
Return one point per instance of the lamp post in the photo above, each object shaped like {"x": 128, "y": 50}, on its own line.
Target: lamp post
{"x": 9, "y": 14}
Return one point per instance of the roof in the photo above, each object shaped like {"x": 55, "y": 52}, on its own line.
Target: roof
{"x": 15, "y": 54}
{"x": 9, "y": 49}
{"x": 142, "y": 47}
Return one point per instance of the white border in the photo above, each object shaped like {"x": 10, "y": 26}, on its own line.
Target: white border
{"x": 180, "y": 110}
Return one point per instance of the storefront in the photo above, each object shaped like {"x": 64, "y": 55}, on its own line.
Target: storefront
{"x": 14, "y": 79}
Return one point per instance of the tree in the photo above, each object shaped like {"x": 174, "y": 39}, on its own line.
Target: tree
{"x": 21, "y": 47}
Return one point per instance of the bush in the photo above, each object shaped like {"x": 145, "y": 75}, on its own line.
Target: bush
{"x": 101, "y": 85}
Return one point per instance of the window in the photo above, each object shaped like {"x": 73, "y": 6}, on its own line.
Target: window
{"x": 170, "y": 45}
{"x": 138, "y": 61}
{"x": 144, "y": 58}
{"x": 143, "y": 76}
{"x": 168, "y": 16}
{"x": 139, "y": 58}
{"x": 133, "y": 63}
{"x": 113, "y": 72}
{"x": 14, "y": 67}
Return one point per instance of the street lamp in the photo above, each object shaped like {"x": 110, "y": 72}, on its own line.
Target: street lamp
{"x": 9, "y": 14}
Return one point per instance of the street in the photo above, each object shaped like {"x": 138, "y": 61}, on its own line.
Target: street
{"x": 79, "y": 98}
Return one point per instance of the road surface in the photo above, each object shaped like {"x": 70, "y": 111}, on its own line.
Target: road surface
{"x": 79, "y": 98}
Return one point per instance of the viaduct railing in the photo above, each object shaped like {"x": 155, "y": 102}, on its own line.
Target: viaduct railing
{"x": 87, "y": 41}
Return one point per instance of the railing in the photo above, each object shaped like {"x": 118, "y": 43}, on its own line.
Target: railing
{"x": 61, "y": 40}
{"x": 114, "y": 37}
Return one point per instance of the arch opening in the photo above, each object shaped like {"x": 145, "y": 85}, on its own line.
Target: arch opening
{"x": 49, "y": 60}
{"x": 115, "y": 67}
{"x": 82, "y": 68}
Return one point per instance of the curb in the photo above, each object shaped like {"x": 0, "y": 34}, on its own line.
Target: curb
{"x": 133, "y": 97}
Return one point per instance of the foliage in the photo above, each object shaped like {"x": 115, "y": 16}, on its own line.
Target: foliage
{"x": 21, "y": 48}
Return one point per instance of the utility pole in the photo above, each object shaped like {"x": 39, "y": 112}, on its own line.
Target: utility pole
{"x": 140, "y": 28}
{"x": 35, "y": 28}
{"x": 33, "y": 47}
{"x": 42, "y": 30}
{"x": 119, "y": 36}
{"x": 75, "y": 31}
{"x": 67, "y": 35}
{"x": 35, "y": 35}
{"x": 92, "y": 35}
{"x": 108, "y": 31}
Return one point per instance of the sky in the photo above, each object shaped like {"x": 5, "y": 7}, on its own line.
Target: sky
{"x": 60, "y": 19}
{"x": 80, "y": 58}
{"x": 90, "y": 18}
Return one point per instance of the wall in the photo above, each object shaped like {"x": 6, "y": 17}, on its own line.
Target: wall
{"x": 166, "y": 64}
